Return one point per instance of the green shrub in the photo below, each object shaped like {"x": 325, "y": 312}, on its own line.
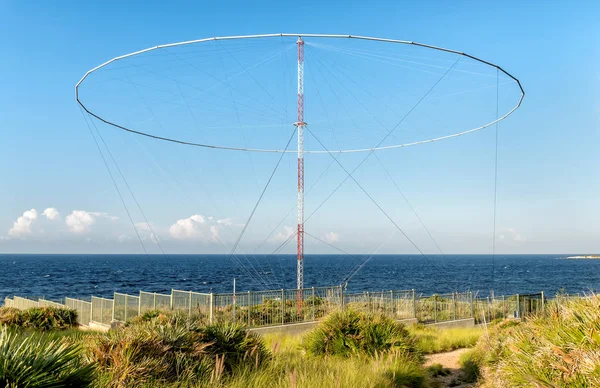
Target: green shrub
{"x": 168, "y": 349}
{"x": 437, "y": 370}
{"x": 11, "y": 316}
{"x": 35, "y": 361}
{"x": 349, "y": 332}
{"x": 235, "y": 344}
{"x": 469, "y": 367}
{"x": 39, "y": 318}
{"x": 560, "y": 348}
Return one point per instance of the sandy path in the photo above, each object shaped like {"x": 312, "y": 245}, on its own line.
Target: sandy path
{"x": 448, "y": 360}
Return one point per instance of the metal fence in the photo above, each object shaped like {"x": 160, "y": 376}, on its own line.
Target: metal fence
{"x": 49, "y": 303}
{"x": 83, "y": 308}
{"x": 102, "y": 310}
{"x": 154, "y": 301}
{"x": 280, "y": 307}
{"x": 275, "y": 307}
{"x": 24, "y": 303}
{"x": 125, "y": 307}
{"x": 397, "y": 304}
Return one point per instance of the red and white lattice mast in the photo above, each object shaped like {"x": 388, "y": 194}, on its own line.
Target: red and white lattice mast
{"x": 300, "y": 124}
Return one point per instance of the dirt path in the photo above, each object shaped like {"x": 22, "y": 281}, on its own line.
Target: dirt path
{"x": 449, "y": 360}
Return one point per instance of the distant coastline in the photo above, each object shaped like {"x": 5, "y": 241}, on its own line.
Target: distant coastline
{"x": 584, "y": 257}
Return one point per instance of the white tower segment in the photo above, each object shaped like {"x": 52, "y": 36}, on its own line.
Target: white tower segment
{"x": 300, "y": 124}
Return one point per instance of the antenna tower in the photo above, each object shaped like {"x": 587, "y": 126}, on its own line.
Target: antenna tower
{"x": 300, "y": 124}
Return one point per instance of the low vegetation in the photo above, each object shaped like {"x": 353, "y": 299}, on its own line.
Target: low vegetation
{"x": 560, "y": 348}
{"x": 39, "y": 348}
{"x": 172, "y": 349}
{"x": 38, "y": 360}
{"x": 38, "y": 318}
{"x": 348, "y": 332}
{"x": 430, "y": 340}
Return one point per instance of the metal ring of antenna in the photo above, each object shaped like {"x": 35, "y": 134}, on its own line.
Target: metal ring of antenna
{"x": 296, "y": 35}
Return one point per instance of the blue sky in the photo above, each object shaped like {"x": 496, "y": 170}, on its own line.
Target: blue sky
{"x": 548, "y": 176}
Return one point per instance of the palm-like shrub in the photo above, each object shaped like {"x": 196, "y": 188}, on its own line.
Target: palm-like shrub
{"x": 345, "y": 333}
{"x": 169, "y": 349}
{"x": 34, "y": 361}
{"x": 11, "y": 316}
{"x": 39, "y": 318}
{"x": 560, "y": 348}
{"x": 236, "y": 345}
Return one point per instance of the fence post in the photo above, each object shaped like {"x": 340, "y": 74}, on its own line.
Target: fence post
{"x": 489, "y": 308}
{"x": 518, "y": 306}
{"x": 414, "y": 298}
{"x": 126, "y": 307}
{"x": 91, "y": 310}
{"x": 434, "y": 308}
{"x": 140, "y": 304}
{"x": 211, "y": 307}
{"x": 234, "y": 300}
{"x": 154, "y": 303}
{"x": 113, "y": 308}
{"x": 453, "y": 306}
{"x": 472, "y": 307}
{"x": 543, "y": 302}
{"x": 313, "y": 303}
{"x": 171, "y": 303}
{"x": 282, "y": 306}
{"x": 190, "y": 305}
{"x": 249, "y": 307}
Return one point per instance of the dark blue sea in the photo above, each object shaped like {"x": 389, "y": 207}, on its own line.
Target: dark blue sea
{"x": 57, "y": 276}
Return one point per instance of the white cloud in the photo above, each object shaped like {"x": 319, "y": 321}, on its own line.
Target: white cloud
{"x": 511, "y": 235}
{"x": 198, "y": 227}
{"x": 123, "y": 238}
{"x": 80, "y": 221}
{"x": 147, "y": 231}
{"x": 332, "y": 237}
{"x": 22, "y": 226}
{"x": 284, "y": 234}
{"x": 51, "y": 213}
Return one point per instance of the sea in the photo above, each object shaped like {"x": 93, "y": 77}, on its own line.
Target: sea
{"x": 81, "y": 276}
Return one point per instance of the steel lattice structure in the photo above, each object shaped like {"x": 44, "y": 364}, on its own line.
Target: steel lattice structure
{"x": 300, "y": 123}
{"x": 367, "y": 38}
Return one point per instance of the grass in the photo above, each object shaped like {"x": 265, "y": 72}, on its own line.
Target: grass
{"x": 431, "y": 340}
{"x": 348, "y": 349}
{"x": 560, "y": 348}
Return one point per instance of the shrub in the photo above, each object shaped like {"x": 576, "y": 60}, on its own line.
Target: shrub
{"x": 437, "y": 370}
{"x": 348, "y": 332}
{"x": 234, "y": 344}
{"x": 36, "y": 361}
{"x": 168, "y": 349}
{"x": 40, "y": 318}
{"x": 558, "y": 349}
{"x": 11, "y": 316}
{"x": 469, "y": 367}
